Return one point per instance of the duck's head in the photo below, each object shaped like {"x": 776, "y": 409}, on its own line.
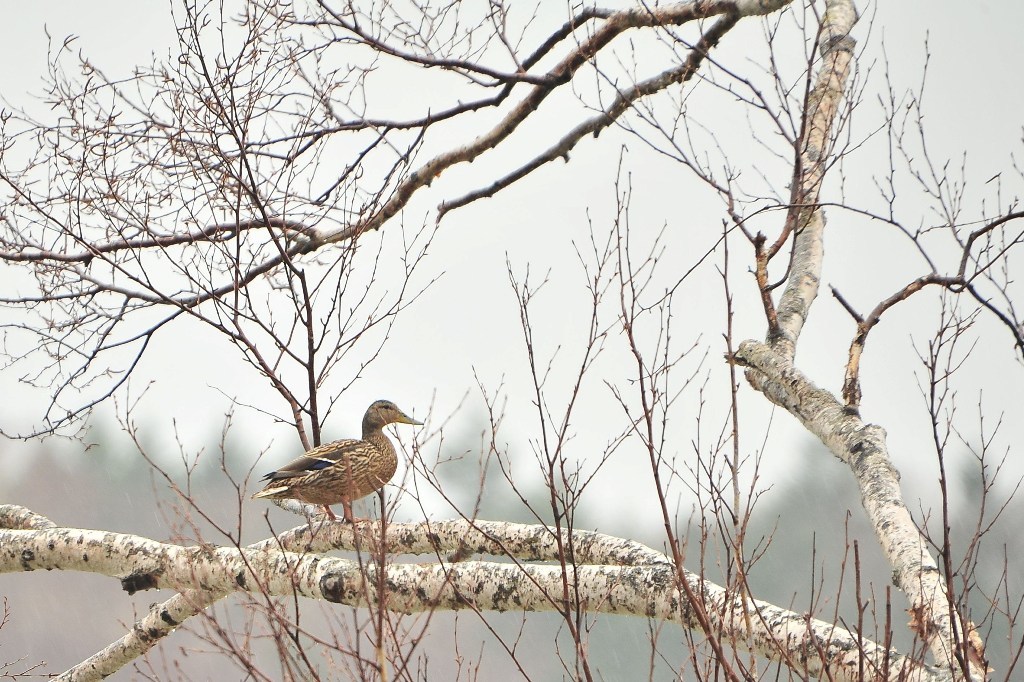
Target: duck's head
{"x": 384, "y": 412}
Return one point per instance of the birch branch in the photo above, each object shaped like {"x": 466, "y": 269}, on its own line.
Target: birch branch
{"x": 805, "y": 216}
{"x": 535, "y": 543}
{"x": 204, "y": 574}
{"x": 863, "y": 448}
{"x": 145, "y": 634}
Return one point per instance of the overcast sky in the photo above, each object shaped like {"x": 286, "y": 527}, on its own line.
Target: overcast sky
{"x": 467, "y": 324}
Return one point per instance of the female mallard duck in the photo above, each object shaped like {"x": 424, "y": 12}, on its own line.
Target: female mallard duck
{"x": 344, "y": 470}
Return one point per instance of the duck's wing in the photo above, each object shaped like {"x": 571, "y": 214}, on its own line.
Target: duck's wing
{"x": 318, "y": 458}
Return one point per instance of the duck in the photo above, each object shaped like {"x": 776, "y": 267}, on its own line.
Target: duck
{"x": 342, "y": 471}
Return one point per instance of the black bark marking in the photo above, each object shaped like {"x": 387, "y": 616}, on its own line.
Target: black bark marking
{"x": 137, "y": 582}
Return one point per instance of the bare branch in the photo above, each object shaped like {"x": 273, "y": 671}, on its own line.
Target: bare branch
{"x": 862, "y": 447}
{"x": 647, "y": 589}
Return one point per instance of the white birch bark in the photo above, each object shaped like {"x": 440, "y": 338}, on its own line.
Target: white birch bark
{"x": 628, "y": 579}
{"x": 836, "y": 46}
{"x": 861, "y": 446}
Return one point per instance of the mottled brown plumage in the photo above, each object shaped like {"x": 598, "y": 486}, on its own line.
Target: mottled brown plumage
{"x": 344, "y": 470}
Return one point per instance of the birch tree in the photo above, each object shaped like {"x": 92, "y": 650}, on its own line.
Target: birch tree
{"x": 267, "y": 187}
